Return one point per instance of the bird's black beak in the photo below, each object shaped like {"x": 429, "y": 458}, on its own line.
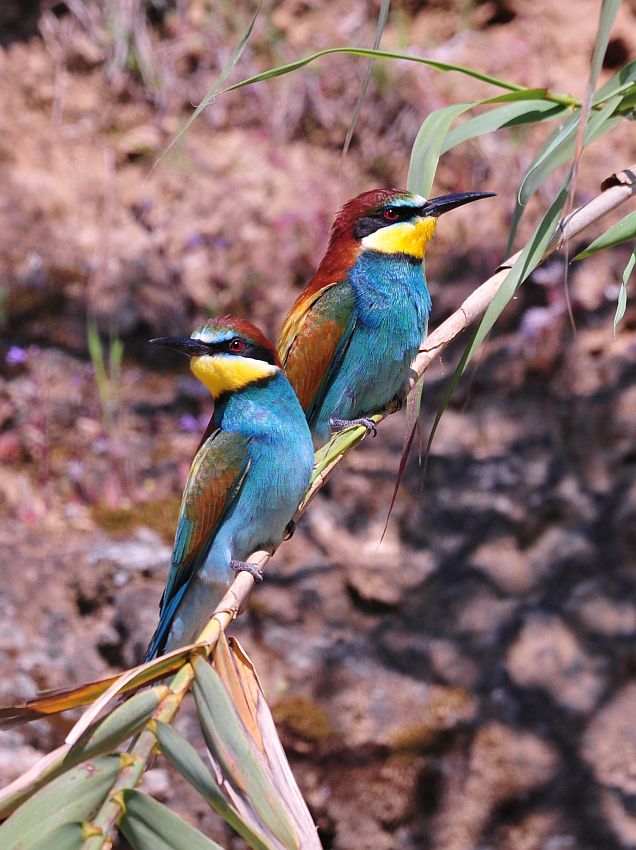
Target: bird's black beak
{"x": 186, "y": 345}
{"x": 438, "y": 206}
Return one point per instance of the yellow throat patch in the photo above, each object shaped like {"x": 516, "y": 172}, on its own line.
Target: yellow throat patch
{"x": 227, "y": 373}
{"x": 405, "y": 238}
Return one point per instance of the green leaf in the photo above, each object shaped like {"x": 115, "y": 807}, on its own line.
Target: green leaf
{"x": 182, "y": 756}
{"x": 72, "y": 797}
{"x": 67, "y": 837}
{"x": 428, "y": 147}
{"x": 510, "y": 115}
{"x": 620, "y": 82}
{"x": 149, "y": 825}
{"x": 523, "y": 266}
{"x": 560, "y": 147}
{"x": 557, "y": 150}
{"x": 621, "y": 304}
{"x": 382, "y": 19}
{"x": 213, "y": 92}
{"x": 606, "y": 22}
{"x": 622, "y": 231}
{"x": 117, "y": 727}
{"x": 280, "y": 70}
{"x": 556, "y": 98}
{"x": 240, "y": 761}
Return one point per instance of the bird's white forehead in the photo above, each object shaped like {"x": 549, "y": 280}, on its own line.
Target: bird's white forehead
{"x": 206, "y": 334}
{"x": 409, "y": 201}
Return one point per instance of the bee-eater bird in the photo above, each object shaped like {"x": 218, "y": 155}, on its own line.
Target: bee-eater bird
{"x": 350, "y": 337}
{"x": 247, "y": 478}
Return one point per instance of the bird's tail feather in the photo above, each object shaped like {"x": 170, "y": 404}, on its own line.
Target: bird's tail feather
{"x": 157, "y": 645}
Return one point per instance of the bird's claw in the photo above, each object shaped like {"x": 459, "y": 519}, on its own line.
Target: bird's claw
{"x": 340, "y": 425}
{"x": 290, "y": 528}
{"x": 245, "y": 567}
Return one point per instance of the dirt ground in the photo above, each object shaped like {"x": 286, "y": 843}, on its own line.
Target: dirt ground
{"x": 471, "y": 682}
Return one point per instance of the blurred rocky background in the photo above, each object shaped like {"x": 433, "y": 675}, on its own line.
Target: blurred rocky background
{"x": 471, "y": 682}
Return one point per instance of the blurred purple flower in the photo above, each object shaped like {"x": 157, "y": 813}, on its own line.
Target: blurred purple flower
{"x": 192, "y": 424}
{"x": 16, "y": 355}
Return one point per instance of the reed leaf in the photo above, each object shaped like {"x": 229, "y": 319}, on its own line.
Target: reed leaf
{"x": 382, "y": 19}
{"x": 508, "y": 115}
{"x": 69, "y": 836}
{"x": 427, "y": 147}
{"x": 184, "y": 758}
{"x": 71, "y": 798}
{"x": 623, "y": 231}
{"x": 609, "y": 9}
{"x": 621, "y": 303}
{"x": 529, "y": 258}
{"x": 239, "y": 760}
{"x": 558, "y": 149}
{"x": 289, "y": 67}
{"x": 149, "y": 825}
{"x": 125, "y": 721}
{"x": 213, "y": 92}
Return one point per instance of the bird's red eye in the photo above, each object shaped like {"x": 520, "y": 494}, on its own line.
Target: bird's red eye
{"x": 391, "y": 214}
{"x": 237, "y": 345}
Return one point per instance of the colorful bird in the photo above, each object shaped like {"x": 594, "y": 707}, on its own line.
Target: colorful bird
{"x": 247, "y": 478}
{"x": 348, "y": 341}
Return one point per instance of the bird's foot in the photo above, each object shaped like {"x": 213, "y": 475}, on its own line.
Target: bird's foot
{"x": 245, "y": 567}
{"x": 290, "y": 528}
{"x": 340, "y": 425}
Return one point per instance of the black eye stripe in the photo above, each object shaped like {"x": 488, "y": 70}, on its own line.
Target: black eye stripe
{"x": 256, "y": 352}
{"x": 374, "y": 221}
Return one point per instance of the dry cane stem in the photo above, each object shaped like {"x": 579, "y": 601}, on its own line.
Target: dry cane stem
{"x": 617, "y": 189}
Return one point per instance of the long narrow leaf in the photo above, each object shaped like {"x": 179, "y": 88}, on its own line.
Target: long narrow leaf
{"x": 117, "y": 727}
{"x": 622, "y": 231}
{"x": 609, "y": 9}
{"x": 72, "y": 797}
{"x": 428, "y": 147}
{"x": 53, "y": 702}
{"x": 184, "y": 758}
{"x": 149, "y": 825}
{"x": 619, "y": 83}
{"x": 621, "y": 304}
{"x": 509, "y": 115}
{"x": 237, "y": 673}
{"x": 527, "y": 261}
{"x": 382, "y": 19}
{"x": 70, "y": 836}
{"x": 213, "y": 92}
{"x": 240, "y": 761}
{"x": 560, "y": 148}
{"x": 280, "y": 70}
{"x": 557, "y": 150}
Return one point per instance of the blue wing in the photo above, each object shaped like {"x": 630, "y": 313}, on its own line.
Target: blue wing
{"x": 214, "y": 481}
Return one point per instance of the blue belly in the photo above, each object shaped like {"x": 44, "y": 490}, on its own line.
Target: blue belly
{"x": 392, "y": 304}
